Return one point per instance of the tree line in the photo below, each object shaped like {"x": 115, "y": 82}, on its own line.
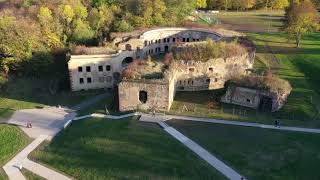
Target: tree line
{"x": 246, "y": 4}
{"x": 35, "y": 34}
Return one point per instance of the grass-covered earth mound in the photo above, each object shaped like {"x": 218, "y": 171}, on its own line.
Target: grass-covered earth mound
{"x": 269, "y": 82}
{"x": 204, "y": 51}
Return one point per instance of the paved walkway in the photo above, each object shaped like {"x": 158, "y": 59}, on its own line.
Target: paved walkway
{"x": 202, "y": 153}
{"x": 46, "y": 121}
{"x": 43, "y": 171}
{"x": 247, "y": 124}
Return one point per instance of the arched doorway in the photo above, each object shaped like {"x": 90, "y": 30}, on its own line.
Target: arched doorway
{"x": 126, "y": 61}
{"x": 166, "y": 49}
{"x": 143, "y": 97}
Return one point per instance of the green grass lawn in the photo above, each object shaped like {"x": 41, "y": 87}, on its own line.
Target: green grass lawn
{"x": 123, "y": 149}
{"x": 299, "y": 66}
{"x": 12, "y": 139}
{"x": 252, "y": 21}
{"x": 25, "y": 93}
{"x": 258, "y": 153}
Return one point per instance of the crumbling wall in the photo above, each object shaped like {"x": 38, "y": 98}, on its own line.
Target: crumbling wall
{"x": 195, "y": 76}
{"x": 158, "y": 95}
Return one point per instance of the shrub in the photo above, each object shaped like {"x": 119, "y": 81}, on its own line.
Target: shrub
{"x": 168, "y": 58}
{"x": 268, "y": 82}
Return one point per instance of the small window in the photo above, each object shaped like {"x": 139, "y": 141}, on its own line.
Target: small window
{"x": 208, "y": 80}
{"x": 81, "y": 81}
{"x": 145, "y": 43}
{"x": 89, "y": 80}
{"x": 88, "y": 68}
{"x": 191, "y": 69}
{"x": 100, "y": 68}
{"x": 180, "y": 82}
{"x": 215, "y": 79}
{"x": 164, "y": 40}
{"x": 248, "y": 100}
{"x": 188, "y": 40}
{"x": 191, "y": 82}
{"x": 211, "y": 69}
{"x": 80, "y": 69}
{"x": 173, "y": 39}
{"x": 184, "y": 40}
{"x": 193, "y": 40}
{"x": 168, "y": 39}
{"x": 108, "y": 68}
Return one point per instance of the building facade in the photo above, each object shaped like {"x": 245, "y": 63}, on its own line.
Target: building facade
{"x": 104, "y": 70}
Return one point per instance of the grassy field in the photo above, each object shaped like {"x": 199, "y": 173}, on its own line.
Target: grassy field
{"x": 249, "y": 21}
{"x": 12, "y": 139}
{"x": 299, "y": 66}
{"x": 258, "y": 153}
{"x": 125, "y": 149}
{"x": 31, "y": 93}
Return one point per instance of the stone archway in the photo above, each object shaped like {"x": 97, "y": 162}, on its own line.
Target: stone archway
{"x": 126, "y": 61}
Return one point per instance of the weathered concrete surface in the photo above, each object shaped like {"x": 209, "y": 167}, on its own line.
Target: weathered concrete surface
{"x": 46, "y": 121}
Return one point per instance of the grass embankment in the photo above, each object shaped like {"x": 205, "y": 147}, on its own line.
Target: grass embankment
{"x": 30, "y": 175}
{"x": 12, "y": 140}
{"x": 124, "y": 149}
{"x": 32, "y": 93}
{"x": 258, "y": 153}
{"x": 299, "y": 66}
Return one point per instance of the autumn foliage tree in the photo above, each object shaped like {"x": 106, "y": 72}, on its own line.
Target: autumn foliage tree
{"x": 300, "y": 18}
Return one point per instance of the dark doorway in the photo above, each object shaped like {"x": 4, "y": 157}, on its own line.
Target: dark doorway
{"x": 126, "y": 61}
{"x": 128, "y": 47}
{"x": 166, "y": 49}
{"x": 266, "y": 104}
{"x": 143, "y": 96}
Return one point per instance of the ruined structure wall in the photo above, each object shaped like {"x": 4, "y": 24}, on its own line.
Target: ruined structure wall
{"x": 149, "y": 43}
{"x": 242, "y": 96}
{"x": 157, "y": 96}
{"x": 195, "y": 76}
{"x": 161, "y": 40}
{"x": 161, "y": 95}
